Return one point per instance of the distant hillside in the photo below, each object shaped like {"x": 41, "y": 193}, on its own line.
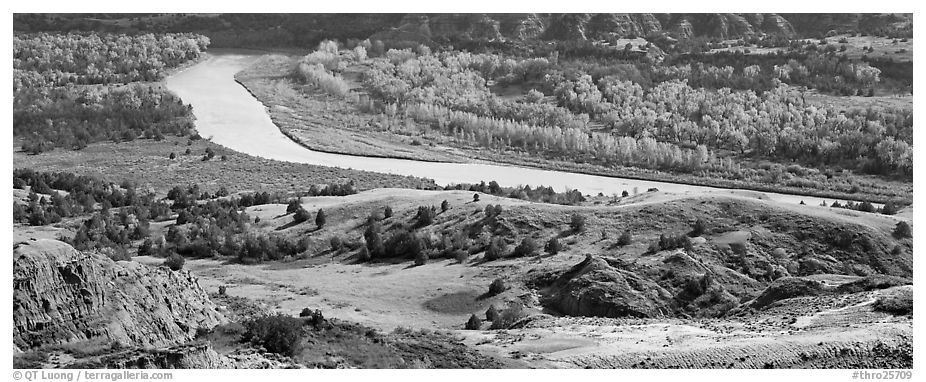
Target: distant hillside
{"x": 306, "y": 30}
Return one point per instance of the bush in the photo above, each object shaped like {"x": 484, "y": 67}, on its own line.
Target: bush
{"x": 460, "y": 255}
{"x": 425, "y": 216}
{"x": 497, "y": 286}
{"x": 301, "y": 215}
{"x": 421, "y": 258}
{"x": 496, "y": 250}
{"x": 387, "y": 212}
{"x": 444, "y": 206}
{"x": 903, "y": 230}
{"x": 277, "y": 333}
{"x": 577, "y": 222}
{"x": 364, "y": 254}
{"x": 625, "y": 239}
{"x": 899, "y": 302}
{"x": 336, "y": 243}
{"x": 553, "y": 246}
{"x": 698, "y": 228}
{"x": 222, "y": 290}
{"x": 293, "y": 206}
{"x": 475, "y": 197}
{"x": 474, "y": 323}
{"x": 527, "y": 248}
{"x": 508, "y": 317}
{"x": 174, "y": 262}
{"x": 320, "y": 218}
{"x": 492, "y": 313}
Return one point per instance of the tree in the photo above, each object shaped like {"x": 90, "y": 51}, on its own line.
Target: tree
{"x": 444, "y": 206}
{"x": 903, "y": 230}
{"x": 173, "y": 156}
{"x": 320, "y": 218}
{"x": 474, "y": 323}
{"x": 174, "y": 262}
{"x": 577, "y": 222}
{"x": 553, "y": 246}
{"x": 475, "y": 197}
{"x": 497, "y": 286}
{"x": 387, "y": 212}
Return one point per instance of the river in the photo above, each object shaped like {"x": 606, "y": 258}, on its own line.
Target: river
{"x": 228, "y": 115}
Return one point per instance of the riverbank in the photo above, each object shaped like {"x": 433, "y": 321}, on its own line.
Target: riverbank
{"x": 322, "y": 123}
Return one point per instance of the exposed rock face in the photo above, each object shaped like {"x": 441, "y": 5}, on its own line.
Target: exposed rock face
{"x": 62, "y": 296}
{"x": 775, "y": 24}
{"x": 420, "y": 28}
{"x": 596, "y": 288}
{"x": 785, "y": 288}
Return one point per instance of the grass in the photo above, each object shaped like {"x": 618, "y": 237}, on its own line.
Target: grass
{"x": 146, "y": 162}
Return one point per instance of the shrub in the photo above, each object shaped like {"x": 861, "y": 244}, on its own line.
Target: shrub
{"x": 475, "y": 197}
{"x": 336, "y": 243}
{"x": 174, "y": 262}
{"x": 625, "y": 194}
{"x": 577, "y": 222}
{"x": 425, "y": 216}
{"x": 387, "y": 212}
{"x": 364, "y": 254}
{"x": 508, "y": 317}
{"x": 698, "y": 228}
{"x": 527, "y": 248}
{"x": 496, "y": 250}
{"x": 173, "y": 156}
{"x": 553, "y": 246}
{"x": 474, "y": 323}
{"x": 320, "y": 218}
{"x": 222, "y": 290}
{"x": 460, "y": 255}
{"x": 421, "y": 258}
{"x": 497, "y": 286}
{"x": 293, "y": 206}
{"x": 277, "y": 333}
{"x": 898, "y": 302}
{"x": 903, "y": 230}
{"x": 301, "y": 215}
{"x": 444, "y": 206}
{"x": 625, "y": 239}
{"x": 491, "y": 313}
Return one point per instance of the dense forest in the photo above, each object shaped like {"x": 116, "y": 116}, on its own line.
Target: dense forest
{"x": 57, "y": 60}
{"x": 75, "y": 89}
{"x": 670, "y": 124}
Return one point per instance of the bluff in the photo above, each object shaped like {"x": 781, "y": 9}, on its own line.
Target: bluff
{"x": 63, "y": 296}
